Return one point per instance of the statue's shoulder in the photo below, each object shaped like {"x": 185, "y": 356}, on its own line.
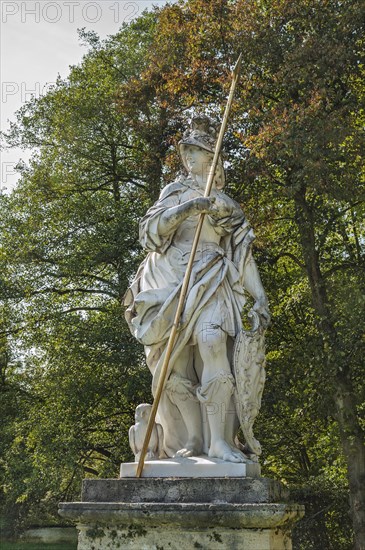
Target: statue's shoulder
{"x": 234, "y": 204}
{"x": 176, "y": 187}
{"x": 229, "y": 199}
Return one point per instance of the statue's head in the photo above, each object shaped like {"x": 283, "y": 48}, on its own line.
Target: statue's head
{"x": 203, "y": 133}
{"x": 143, "y": 412}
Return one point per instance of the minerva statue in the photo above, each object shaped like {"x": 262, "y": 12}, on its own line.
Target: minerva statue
{"x": 216, "y": 370}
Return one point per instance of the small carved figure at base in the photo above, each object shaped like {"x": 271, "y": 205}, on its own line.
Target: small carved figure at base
{"x": 137, "y": 434}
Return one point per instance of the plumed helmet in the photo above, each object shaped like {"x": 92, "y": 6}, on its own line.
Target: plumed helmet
{"x": 203, "y": 133}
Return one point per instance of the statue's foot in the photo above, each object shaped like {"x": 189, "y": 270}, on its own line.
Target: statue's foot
{"x": 192, "y": 448}
{"x": 221, "y": 449}
{"x": 151, "y": 455}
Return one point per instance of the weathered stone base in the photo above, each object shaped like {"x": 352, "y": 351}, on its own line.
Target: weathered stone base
{"x": 226, "y": 514}
{"x": 259, "y": 540}
{"x": 184, "y": 490}
{"x": 189, "y": 540}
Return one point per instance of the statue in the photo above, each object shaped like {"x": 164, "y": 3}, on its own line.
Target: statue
{"x": 137, "y": 434}
{"x": 215, "y": 381}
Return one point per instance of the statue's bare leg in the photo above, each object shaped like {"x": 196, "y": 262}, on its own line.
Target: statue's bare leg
{"x": 216, "y": 391}
{"x": 182, "y": 393}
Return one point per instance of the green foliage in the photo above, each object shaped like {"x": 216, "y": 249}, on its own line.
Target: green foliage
{"x": 72, "y": 374}
{"x": 326, "y": 523}
{"x": 104, "y": 139}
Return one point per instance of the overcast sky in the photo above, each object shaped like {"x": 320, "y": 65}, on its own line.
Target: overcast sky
{"x": 39, "y": 40}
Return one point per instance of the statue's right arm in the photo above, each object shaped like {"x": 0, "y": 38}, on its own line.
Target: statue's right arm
{"x": 172, "y": 217}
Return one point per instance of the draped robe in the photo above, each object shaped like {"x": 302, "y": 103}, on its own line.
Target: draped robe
{"x": 215, "y": 297}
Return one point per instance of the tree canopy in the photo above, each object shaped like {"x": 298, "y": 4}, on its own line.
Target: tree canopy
{"x": 104, "y": 145}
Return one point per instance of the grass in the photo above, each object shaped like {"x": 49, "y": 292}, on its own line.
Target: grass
{"x": 23, "y": 545}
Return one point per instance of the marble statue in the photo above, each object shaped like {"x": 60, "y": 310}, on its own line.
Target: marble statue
{"x": 137, "y": 434}
{"x": 216, "y": 371}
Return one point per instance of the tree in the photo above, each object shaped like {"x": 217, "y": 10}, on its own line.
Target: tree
{"x": 105, "y": 140}
{"x": 69, "y": 248}
{"x": 307, "y": 138}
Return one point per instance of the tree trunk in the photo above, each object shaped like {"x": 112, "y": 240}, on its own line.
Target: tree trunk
{"x": 351, "y": 434}
{"x": 352, "y": 440}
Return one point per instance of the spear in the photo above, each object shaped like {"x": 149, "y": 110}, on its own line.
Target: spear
{"x": 185, "y": 285}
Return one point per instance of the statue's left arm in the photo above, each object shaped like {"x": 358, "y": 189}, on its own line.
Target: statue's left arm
{"x": 252, "y": 283}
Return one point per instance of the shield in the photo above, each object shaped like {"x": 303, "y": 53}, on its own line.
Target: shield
{"x": 249, "y": 371}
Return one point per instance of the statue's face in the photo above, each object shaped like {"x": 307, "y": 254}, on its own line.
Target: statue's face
{"x": 198, "y": 160}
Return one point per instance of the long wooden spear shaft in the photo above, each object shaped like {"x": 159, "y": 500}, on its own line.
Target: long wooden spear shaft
{"x": 185, "y": 285}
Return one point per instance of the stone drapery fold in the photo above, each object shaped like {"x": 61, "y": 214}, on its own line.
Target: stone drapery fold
{"x": 215, "y": 298}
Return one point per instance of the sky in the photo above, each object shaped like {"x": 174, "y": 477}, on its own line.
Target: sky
{"x": 38, "y": 41}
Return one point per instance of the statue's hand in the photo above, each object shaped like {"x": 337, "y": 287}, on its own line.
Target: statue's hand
{"x": 262, "y": 309}
{"x": 201, "y": 205}
{"x": 221, "y": 209}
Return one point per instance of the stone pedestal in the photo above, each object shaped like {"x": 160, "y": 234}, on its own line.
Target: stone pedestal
{"x": 183, "y": 513}
{"x": 195, "y": 466}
